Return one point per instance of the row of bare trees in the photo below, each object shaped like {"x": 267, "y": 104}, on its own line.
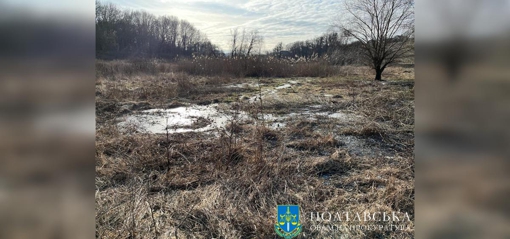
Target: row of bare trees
{"x": 121, "y": 34}
{"x": 245, "y": 43}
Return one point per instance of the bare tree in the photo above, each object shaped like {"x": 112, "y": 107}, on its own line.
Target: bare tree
{"x": 235, "y": 34}
{"x": 168, "y": 29}
{"x": 277, "y": 50}
{"x": 243, "y": 44}
{"x": 186, "y": 33}
{"x": 255, "y": 40}
{"x": 383, "y": 27}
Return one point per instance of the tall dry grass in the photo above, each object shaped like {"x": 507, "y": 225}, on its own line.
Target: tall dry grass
{"x": 255, "y": 66}
{"x": 188, "y": 186}
{"x": 132, "y": 67}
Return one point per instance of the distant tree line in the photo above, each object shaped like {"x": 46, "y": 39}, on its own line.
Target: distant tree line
{"x": 332, "y": 47}
{"x": 126, "y": 34}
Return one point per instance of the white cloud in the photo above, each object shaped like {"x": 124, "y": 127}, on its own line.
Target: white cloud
{"x": 276, "y": 20}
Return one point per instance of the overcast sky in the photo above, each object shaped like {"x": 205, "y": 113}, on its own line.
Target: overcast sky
{"x": 276, "y": 20}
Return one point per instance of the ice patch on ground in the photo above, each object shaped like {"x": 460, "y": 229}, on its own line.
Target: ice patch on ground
{"x": 180, "y": 120}
{"x": 284, "y": 86}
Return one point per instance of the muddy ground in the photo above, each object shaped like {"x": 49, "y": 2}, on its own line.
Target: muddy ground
{"x": 181, "y": 156}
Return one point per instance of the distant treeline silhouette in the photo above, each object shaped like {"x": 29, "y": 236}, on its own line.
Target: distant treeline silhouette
{"x": 330, "y": 46}
{"x": 138, "y": 34}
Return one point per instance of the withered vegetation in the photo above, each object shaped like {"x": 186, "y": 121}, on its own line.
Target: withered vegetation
{"x": 226, "y": 183}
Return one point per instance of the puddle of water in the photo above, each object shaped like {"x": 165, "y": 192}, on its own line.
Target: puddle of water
{"x": 244, "y": 85}
{"x": 346, "y": 117}
{"x": 271, "y": 92}
{"x": 204, "y": 118}
{"x": 236, "y": 85}
{"x": 283, "y": 86}
{"x": 179, "y": 120}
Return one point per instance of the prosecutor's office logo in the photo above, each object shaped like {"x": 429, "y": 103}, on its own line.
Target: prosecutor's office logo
{"x": 287, "y": 222}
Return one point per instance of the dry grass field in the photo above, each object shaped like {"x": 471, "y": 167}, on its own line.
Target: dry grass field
{"x": 334, "y": 142}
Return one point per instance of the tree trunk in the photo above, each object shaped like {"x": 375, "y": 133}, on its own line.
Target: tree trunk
{"x": 378, "y": 74}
